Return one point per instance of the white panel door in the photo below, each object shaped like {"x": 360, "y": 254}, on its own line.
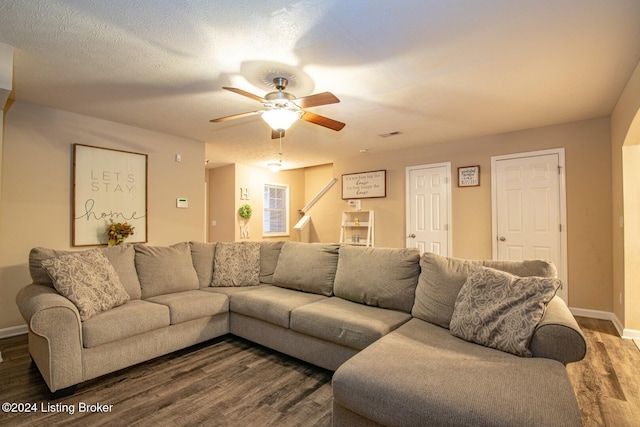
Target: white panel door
{"x": 428, "y": 208}
{"x": 527, "y": 209}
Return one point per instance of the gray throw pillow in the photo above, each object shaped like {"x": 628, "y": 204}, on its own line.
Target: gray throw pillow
{"x": 236, "y": 264}
{"x": 88, "y": 280}
{"x": 165, "y": 269}
{"x": 307, "y": 267}
{"x": 442, "y": 277}
{"x": 121, "y": 257}
{"x": 499, "y": 310}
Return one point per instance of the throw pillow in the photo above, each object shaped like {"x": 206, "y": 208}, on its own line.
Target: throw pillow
{"x": 499, "y": 310}
{"x": 236, "y": 264}
{"x": 88, "y": 280}
{"x": 442, "y": 278}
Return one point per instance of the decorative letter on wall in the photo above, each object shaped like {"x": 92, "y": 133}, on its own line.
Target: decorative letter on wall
{"x": 108, "y": 185}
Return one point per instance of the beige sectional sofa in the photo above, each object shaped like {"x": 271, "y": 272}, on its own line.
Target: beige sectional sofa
{"x": 378, "y": 317}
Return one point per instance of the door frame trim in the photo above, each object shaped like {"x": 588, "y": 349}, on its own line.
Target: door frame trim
{"x": 408, "y": 169}
{"x": 564, "y": 274}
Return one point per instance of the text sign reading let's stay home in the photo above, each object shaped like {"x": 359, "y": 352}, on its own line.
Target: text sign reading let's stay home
{"x": 364, "y": 185}
{"x": 109, "y": 185}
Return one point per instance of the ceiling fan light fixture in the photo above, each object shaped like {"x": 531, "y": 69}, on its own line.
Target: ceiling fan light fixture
{"x": 280, "y": 119}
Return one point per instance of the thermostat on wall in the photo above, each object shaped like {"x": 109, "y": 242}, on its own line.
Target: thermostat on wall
{"x": 182, "y": 203}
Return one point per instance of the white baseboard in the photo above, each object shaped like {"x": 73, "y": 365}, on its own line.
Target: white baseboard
{"x": 605, "y": 315}
{"x": 13, "y": 331}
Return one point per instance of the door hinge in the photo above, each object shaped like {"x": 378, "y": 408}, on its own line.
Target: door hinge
{"x": 559, "y": 170}
{"x": 560, "y": 227}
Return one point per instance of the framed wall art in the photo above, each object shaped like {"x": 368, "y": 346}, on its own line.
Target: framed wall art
{"x": 108, "y": 185}
{"x": 364, "y": 185}
{"x": 469, "y": 176}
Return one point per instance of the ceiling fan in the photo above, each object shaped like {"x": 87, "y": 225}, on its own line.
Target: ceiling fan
{"x": 283, "y": 108}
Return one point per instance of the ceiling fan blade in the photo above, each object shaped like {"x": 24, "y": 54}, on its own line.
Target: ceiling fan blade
{"x": 235, "y": 116}
{"x": 244, "y": 93}
{"x": 276, "y": 134}
{"x": 323, "y": 98}
{"x": 322, "y": 121}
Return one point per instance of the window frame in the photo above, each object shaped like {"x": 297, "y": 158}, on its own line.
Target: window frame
{"x": 287, "y": 202}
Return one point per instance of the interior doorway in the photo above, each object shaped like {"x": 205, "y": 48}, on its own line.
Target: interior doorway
{"x": 529, "y": 209}
{"x": 428, "y": 208}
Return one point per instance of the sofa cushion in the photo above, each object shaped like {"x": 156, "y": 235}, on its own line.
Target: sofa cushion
{"x": 270, "y": 303}
{"x": 190, "y": 305}
{"x": 269, "y": 254}
{"x": 202, "y": 255}
{"x": 442, "y": 278}
{"x": 165, "y": 269}
{"x": 133, "y": 318}
{"x": 344, "y": 322}
{"x": 381, "y": 277}
{"x": 88, "y": 280}
{"x": 236, "y": 264}
{"x": 420, "y": 374}
{"x": 500, "y": 310}
{"x": 308, "y": 267}
{"x": 121, "y": 257}
{"x": 230, "y": 290}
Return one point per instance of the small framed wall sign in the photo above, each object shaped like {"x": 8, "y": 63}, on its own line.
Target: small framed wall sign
{"x": 469, "y": 176}
{"x": 364, "y": 185}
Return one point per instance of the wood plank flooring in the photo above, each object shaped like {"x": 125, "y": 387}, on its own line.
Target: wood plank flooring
{"x": 232, "y": 382}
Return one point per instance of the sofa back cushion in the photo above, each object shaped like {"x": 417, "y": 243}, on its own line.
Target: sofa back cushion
{"x": 269, "y": 254}
{"x": 442, "y": 278}
{"x": 380, "y": 277}
{"x": 202, "y": 256}
{"x": 236, "y": 264}
{"x": 165, "y": 269}
{"x": 307, "y": 267}
{"x": 122, "y": 257}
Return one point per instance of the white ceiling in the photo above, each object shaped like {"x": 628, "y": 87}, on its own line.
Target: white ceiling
{"x": 435, "y": 70}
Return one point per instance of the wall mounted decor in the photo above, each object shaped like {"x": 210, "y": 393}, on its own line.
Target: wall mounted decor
{"x": 108, "y": 185}
{"x": 364, "y": 185}
{"x": 469, "y": 176}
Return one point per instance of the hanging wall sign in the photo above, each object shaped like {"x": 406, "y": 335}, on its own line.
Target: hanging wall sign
{"x": 108, "y": 185}
{"x": 469, "y": 176}
{"x": 364, "y": 185}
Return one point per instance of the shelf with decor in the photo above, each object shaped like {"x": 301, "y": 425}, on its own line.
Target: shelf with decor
{"x": 357, "y": 228}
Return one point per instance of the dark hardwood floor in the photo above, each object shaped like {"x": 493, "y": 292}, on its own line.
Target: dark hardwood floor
{"x": 232, "y": 382}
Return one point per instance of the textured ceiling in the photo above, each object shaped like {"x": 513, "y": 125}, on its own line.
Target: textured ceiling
{"x": 435, "y": 70}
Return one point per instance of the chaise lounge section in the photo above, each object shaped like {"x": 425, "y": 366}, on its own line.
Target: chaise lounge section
{"x": 378, "y": 317}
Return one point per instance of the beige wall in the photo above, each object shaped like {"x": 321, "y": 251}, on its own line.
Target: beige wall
{"x": 36, "y": 187}
{"x": 225, "y": 200}
{"x": 625, "y": 143}
{"x": 588, "y": 172}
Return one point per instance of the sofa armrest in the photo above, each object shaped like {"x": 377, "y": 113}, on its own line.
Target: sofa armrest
{"x": 55, "y": 335}
{"x": 558, "y": 335}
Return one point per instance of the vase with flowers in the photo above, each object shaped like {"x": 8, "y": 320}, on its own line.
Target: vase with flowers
{"x": 117, "y": 232}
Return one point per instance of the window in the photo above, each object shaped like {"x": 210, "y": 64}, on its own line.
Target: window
{"x": 276, "y": 210}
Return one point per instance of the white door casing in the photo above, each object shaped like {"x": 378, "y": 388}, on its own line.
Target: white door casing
{"x": 529, "y": 209}
{"x": 428, "y": 209}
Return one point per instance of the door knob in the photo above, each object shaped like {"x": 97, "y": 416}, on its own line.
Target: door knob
{"x": 413, "y": 236}
{"x": 502, "y": 238}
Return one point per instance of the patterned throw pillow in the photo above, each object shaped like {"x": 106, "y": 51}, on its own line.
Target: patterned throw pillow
{"x": 236, "y": 264}
{"x": 88, "y": 280}
{"x": 499, "y": 310}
